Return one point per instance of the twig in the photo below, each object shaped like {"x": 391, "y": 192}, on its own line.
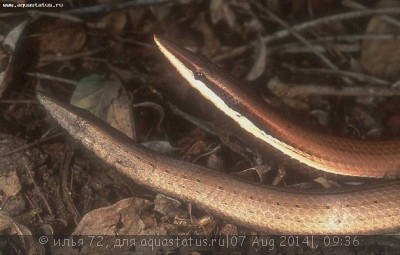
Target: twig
{"x": 359, "y": 76}
{"x": 116, "y": 6}
{"x": 14, "y": 101}
{"x": 37, "y": 189}
{"x": 350, "y": 38}
{"x": 51, "y": 78}
{"x": 294, "y": 90}
{"x": 54, "y": 58}
{"x": 297, "y": 48}
{"x": 56, "y": 15}
{"x": 300, "y": 38}
{"x": 27, "y": 146}
{"x": 64, "y": 191}
{"x": 358, "y": 6}
{"x": 300, "y": 27}
{"x": 329, "y": 19}
{"x": 198, "y": 123}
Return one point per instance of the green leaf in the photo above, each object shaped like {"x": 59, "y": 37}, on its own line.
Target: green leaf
{"x": 95, "y": 93}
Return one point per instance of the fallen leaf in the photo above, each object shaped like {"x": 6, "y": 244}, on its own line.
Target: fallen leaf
{"x": 119, "y": 115}
{"x": 382, "y": 57}
{"x": 95, "y": 93}
{"x": 112, "y": 23}
{"x": 220, "y": 11}
{"x": 59, "y": 37}
{"x": 122, "y": 217}
{"x": 169, "y": 207}
{"x": 20, "y": 237}
{"x": 7, "y": 53}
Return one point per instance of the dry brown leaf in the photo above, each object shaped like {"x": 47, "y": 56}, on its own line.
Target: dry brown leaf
{"x": 113, "y": 23}
{"x": 20, "y": 236}
{"x": 229, "y": 229}
{"x": 382, "y": 57}
{"x": 60, "y": 37}
{"x": 169, "y": 207}
{"x": 220, "y": 10}
{"x": 124, "y": 219}
{"x": 161, "y": 11}
{"x": 10, "y": 183}
{"x": 136, "y": 16}
{"x": 7, "y": 52}
{"x": 119, "y": 115}
{"x": 105, "y": 221}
